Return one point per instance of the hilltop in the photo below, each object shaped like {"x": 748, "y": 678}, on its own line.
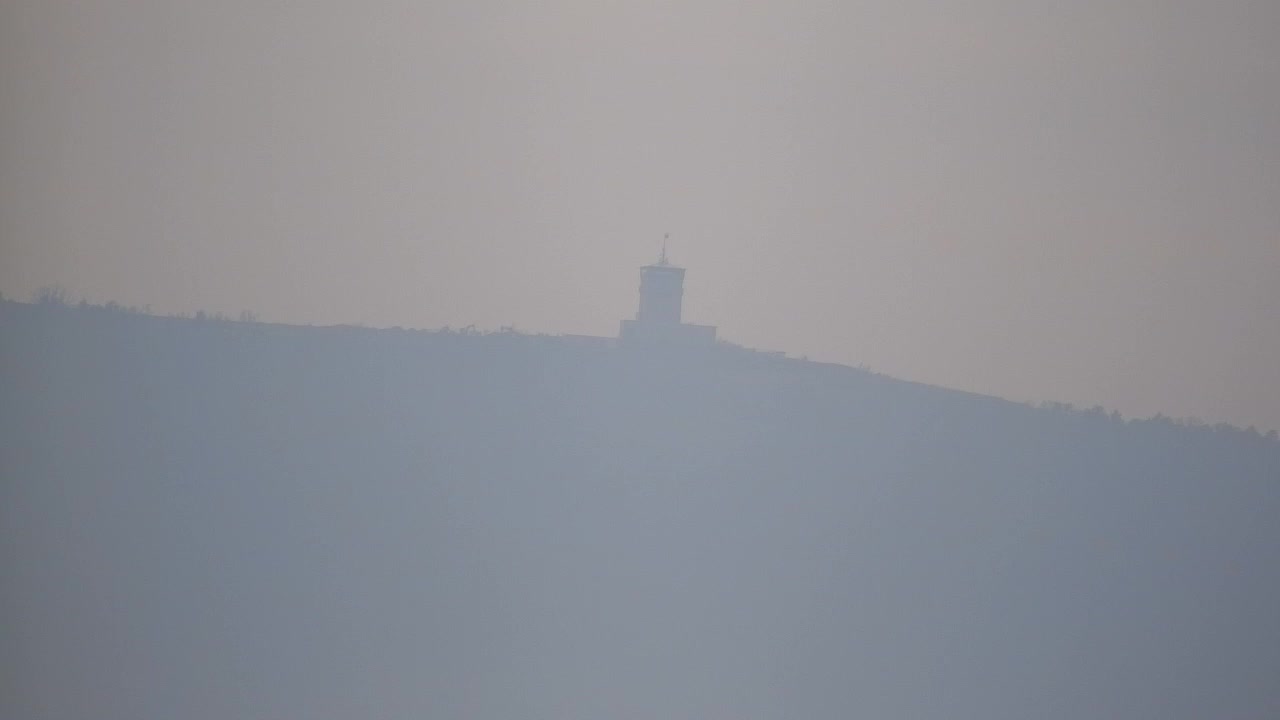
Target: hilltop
{"x": 208, "y": 519}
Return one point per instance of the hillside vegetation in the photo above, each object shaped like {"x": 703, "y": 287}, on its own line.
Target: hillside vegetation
{"x": 204, "y": 519}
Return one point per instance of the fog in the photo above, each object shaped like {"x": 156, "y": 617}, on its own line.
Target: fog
{"x": 1041, "y": 201}
{"x": 212, "y": 519}
{"x": 994, "y": 286}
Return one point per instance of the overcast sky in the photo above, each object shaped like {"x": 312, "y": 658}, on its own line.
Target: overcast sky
{"x": 1072, "y": 201}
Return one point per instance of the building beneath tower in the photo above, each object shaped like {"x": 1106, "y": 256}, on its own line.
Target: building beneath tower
{"x": 657, "y": 322}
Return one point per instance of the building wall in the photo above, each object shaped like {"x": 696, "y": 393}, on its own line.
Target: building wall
{"x": 635, "y": 332}
{"x": 661, "y": 294}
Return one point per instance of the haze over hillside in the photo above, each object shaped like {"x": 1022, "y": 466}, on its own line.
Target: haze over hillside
{"x": 1032, "y": 199}
{"x": 210, "y": 519}
{"x": 1011, "y": 204}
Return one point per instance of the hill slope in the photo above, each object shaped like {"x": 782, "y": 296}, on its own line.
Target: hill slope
{"x": 215, "y": 520}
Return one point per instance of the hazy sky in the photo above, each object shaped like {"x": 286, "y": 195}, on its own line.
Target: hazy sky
{"x": 1074, "y": 201}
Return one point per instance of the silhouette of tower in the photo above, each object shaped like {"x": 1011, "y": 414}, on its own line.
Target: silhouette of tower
{"x": 661, "y": 292}
{"x": 658, "y": 321}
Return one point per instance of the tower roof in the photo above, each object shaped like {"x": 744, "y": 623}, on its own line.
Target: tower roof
{"x": 663, "y": 261}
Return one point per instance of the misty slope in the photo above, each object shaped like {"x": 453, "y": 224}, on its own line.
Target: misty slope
{"x": 217, "y": 520}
